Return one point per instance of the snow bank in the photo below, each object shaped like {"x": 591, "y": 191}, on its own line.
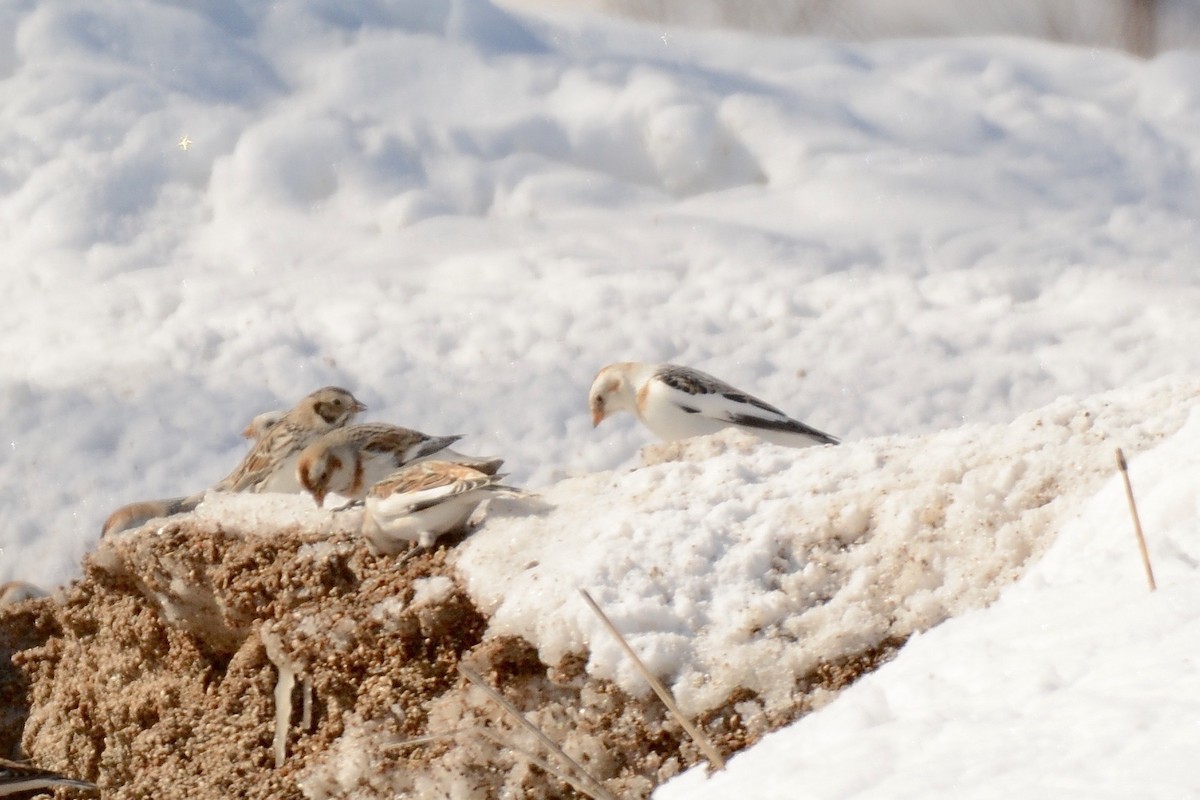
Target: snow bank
{"x": 1077, "y": 678}
{"x": 738, "y": 565}
{"x": 758, "y": 580}
{"x": 461, "y": 213}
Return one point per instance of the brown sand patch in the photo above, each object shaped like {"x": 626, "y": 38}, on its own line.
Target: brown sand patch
{"x": 150, "y": 676}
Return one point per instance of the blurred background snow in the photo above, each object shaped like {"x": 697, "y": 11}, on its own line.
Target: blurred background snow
{"x": 461, "y": 212}
{"x": 1143, "y": 27}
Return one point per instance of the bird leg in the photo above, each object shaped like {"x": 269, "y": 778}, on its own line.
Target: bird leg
{"x": 415, "y": 550}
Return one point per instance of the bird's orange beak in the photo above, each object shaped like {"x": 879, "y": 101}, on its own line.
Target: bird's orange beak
{"x": 597, "y": 416}
{"x": 319, "y": 496}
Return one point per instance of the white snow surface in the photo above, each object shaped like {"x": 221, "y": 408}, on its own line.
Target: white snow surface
{"x": 735, "y": 564}
{"x": 1077, "y": 682}
{"x": 460, "y": 213}
{"x": 1107, "y": 23}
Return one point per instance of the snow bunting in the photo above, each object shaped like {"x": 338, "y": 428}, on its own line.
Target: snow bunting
{"x": 349, "y": 460}
{"x": 17, "y": 777}
{"x": 420, "y": 502}
{"x": 270, "y": 466}
{"x": 680, "y": 402}
{"x": 135, "y": 515}
{"x": 257, "y": 428}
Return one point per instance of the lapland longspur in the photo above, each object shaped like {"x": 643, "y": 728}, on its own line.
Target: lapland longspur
{"x": 18, "y": 591}
{"x": 270, "y": 466}
{"x": 138, "y": 514}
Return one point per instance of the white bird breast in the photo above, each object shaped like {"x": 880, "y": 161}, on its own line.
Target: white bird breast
{"x": 663, "y": 413}
{"x": 283, "y": 479}
{"x": 393, "y": 516}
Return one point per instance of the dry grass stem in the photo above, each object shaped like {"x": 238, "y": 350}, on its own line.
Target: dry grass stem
{"x": 533, "y": 758}
{"x": 306, "y": 716}
{"x": 433, "y": 738}
{"x": 597, "y": 792}
{"x": 711, "y": 753}
{"x": 1137, "y": 522}
{"x": 541, "y": 763}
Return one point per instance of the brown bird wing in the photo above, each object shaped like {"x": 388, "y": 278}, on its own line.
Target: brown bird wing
{"x": 425, "y": 476}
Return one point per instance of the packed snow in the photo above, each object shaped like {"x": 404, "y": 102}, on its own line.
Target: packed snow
{"x": 1077, "y": 682}
{"x": 461, "y": 212}
{"x": 738, "y": 565}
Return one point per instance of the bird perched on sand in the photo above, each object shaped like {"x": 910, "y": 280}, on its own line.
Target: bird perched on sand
{"x": 18, "y": 591}
{"x": 348, "y": 461}
{"x": 679, "y": 402}
{"x": 17, "y": 777}
{"x": 257, "y": 428}
{"x": 270, "y": 466}
{"x": 135, "y": 515}
{"x": 420, "y": 502}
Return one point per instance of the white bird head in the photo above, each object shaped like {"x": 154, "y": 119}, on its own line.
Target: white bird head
{"x": 258, "y": 427}
{"x": 612, "y": 391}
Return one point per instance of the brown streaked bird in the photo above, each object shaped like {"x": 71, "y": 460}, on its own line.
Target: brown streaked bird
{"x": 348, "y": 461}
{"x": 680, "y": 402}
{"x": 270, "y": 466}
{"x": 19, "y": 591}
{"x": 420, "y": 502}
{"x": 135, "y": 515}
{"x": 19, "y": 777}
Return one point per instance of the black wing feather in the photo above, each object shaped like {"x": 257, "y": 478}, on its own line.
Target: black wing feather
{"x": 787, "y": 425}
{"x": 694, "y": 382}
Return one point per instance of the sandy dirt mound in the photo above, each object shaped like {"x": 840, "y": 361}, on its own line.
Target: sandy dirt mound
{"x": 255, "y": 648}
{"x": 156, "y": 675}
